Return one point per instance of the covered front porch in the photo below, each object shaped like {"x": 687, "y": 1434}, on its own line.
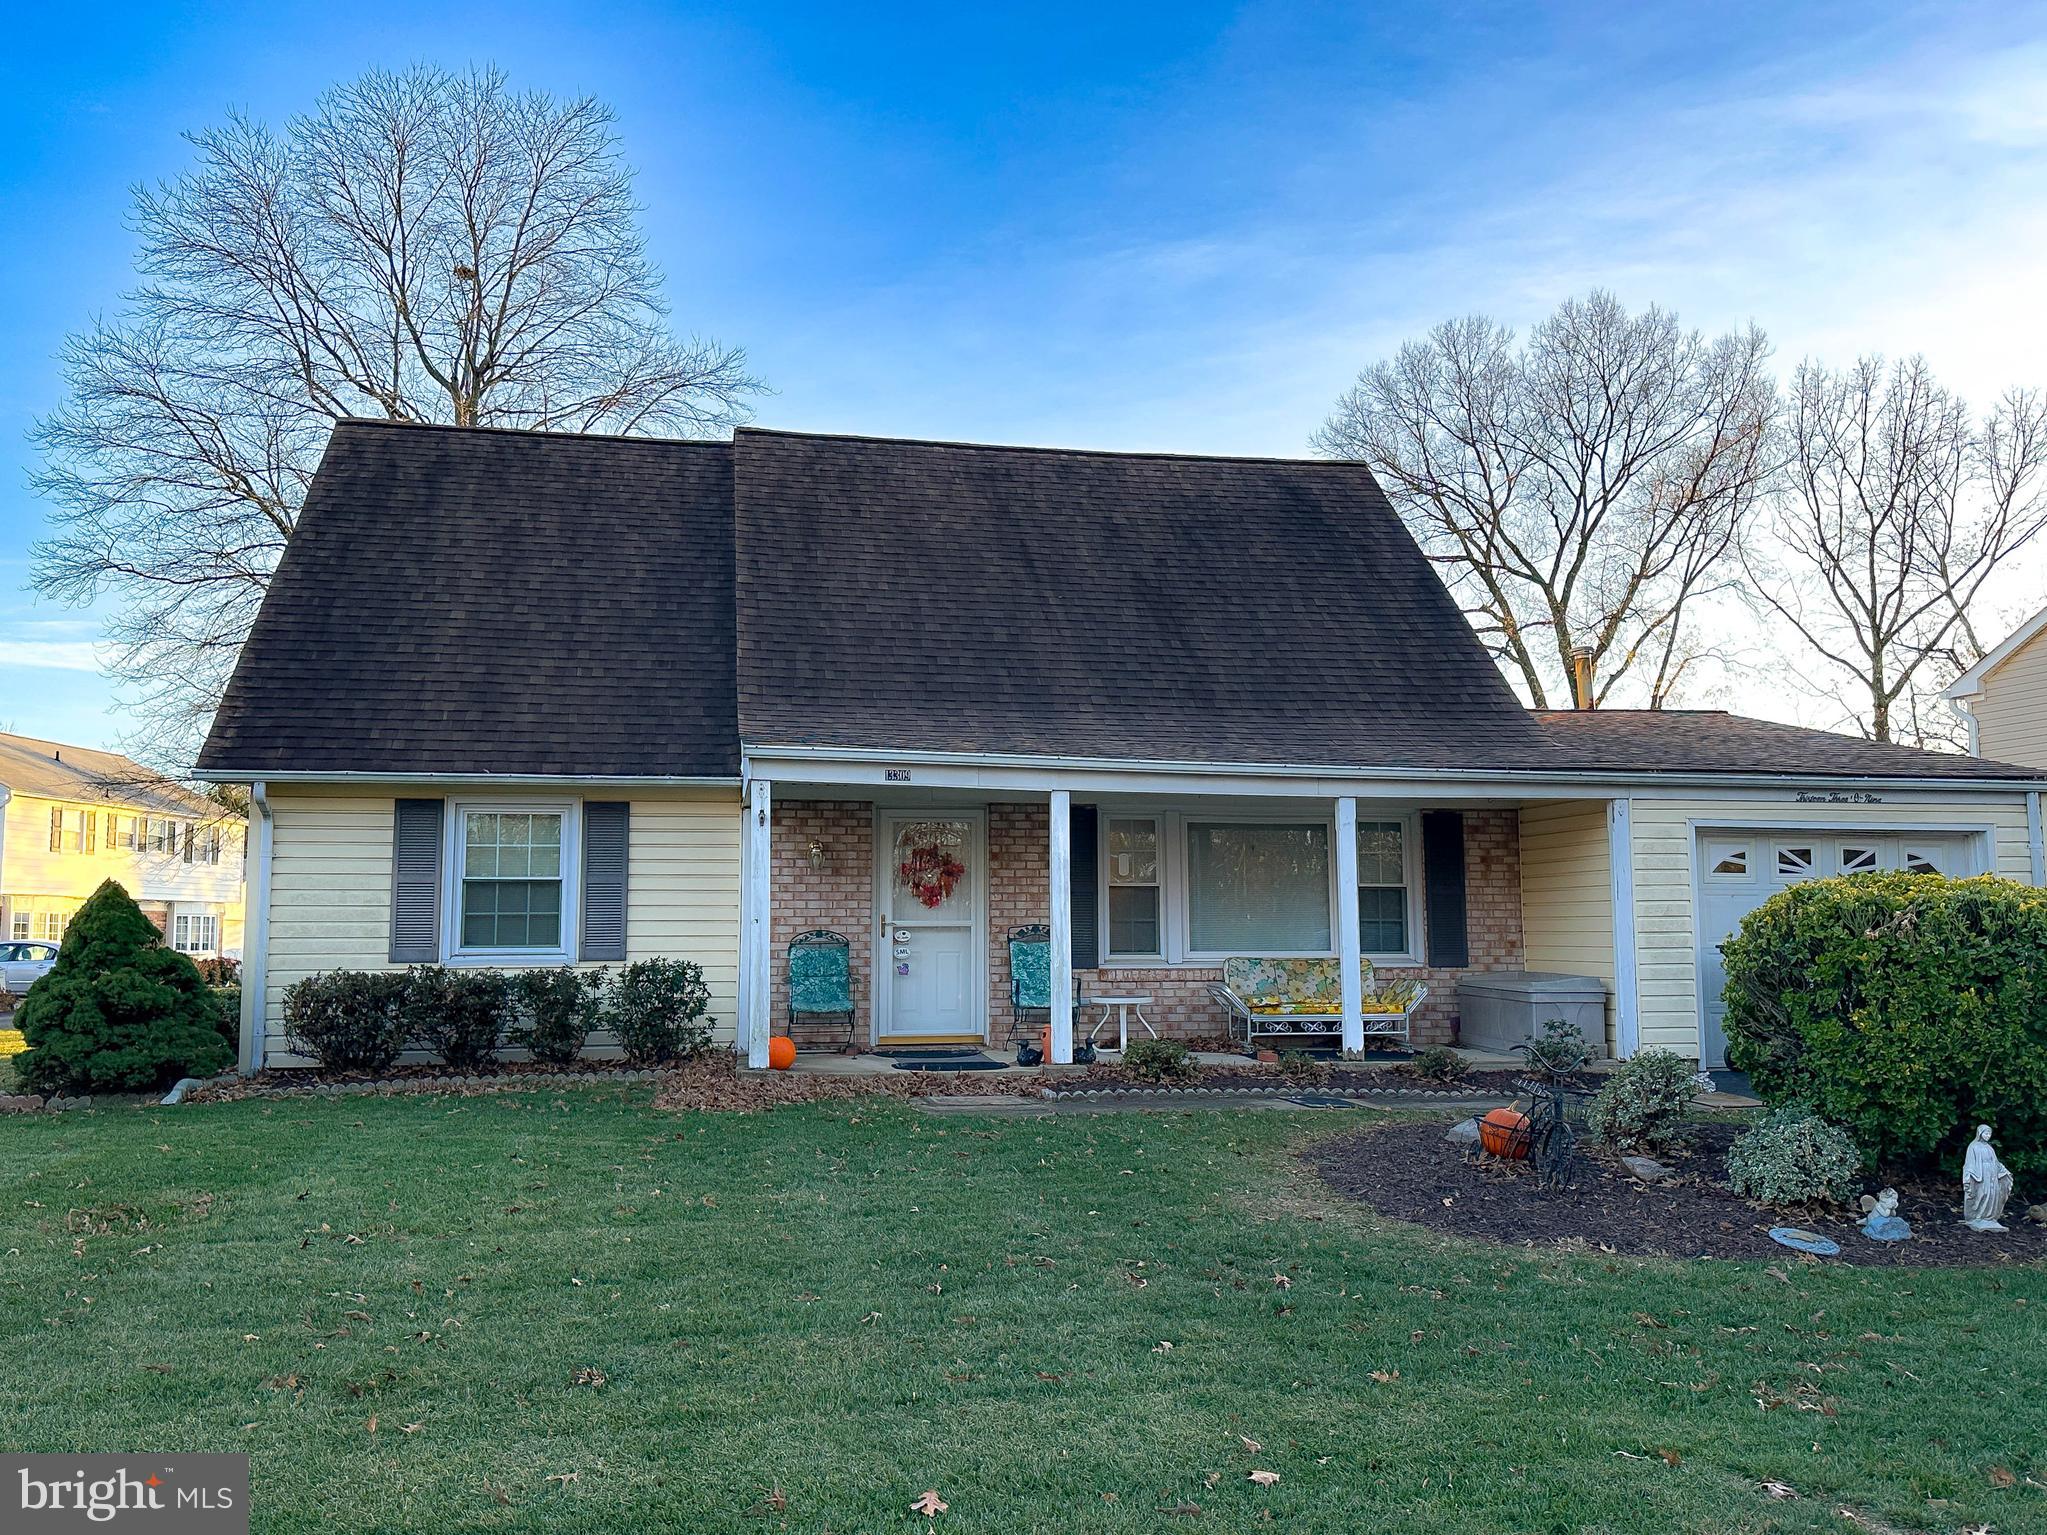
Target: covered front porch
{"x": 932, "y": 894}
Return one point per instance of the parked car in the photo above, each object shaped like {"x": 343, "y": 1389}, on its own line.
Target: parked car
{"x": 23, "y": 964}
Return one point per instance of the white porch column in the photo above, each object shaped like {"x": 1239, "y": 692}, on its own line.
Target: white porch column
{"x": 1350, "y": 956}
{"x": 1620, "y": 864}
{"x": 1061, "y": 908}
{"x": 756, "y": 968}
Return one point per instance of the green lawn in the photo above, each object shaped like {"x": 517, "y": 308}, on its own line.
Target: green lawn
{"x": 801, "y": 1320}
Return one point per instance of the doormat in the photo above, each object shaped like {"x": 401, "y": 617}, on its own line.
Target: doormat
{"x": 928, "y": 1052}
{"x": 973, "y": 1060}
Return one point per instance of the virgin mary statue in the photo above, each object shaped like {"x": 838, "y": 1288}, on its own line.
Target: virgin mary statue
{"x": 1986, "y": 1185}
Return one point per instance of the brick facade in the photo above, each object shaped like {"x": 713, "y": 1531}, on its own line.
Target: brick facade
{"x": 841, "y": 897}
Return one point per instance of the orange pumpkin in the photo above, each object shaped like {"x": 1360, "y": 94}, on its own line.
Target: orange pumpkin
{"x": 1504, "y": 1133}
{"x": 781, "y": 1053}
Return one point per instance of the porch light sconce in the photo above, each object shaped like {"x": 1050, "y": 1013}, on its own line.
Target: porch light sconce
{"x": 817, "y": 855}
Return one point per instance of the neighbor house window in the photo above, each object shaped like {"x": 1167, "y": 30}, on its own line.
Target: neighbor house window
{"x": 511, "y": 882}
{"x": 163, "y": 835}
{"x": 1136, "y": 888}
{"x": 71, "y": 831}
{"x": 1858, "y": 860}
{"x": 54, "y": 923}
{"x": 19, "y": 926}
{"x": 1382, "y": 887}
{"x": 121, "y": 832}
{"x": 1258, "y": 887}
{"x": 196, "y": 933}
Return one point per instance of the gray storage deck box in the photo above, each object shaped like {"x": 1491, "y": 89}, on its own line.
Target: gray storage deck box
{"x": 1504, "y": 1008}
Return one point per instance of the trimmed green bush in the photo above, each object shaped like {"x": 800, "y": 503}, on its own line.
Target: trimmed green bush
{"x": 657, "y": 1010}
{"x": 1437, "y": 1063}
{"x": 1558, "y": 1053}
{"x": 1159, "y": 1060}
{"x": 1792, "y": 1157}
{"x": 229, "y": 1000}
{"x": 118, "y": 1012}
{"x": 347, "y": 1020}
{"x": 1907, "y": 1008}
{"x": 459, "y": 1015}
{"x": 1642, "y": 1104}
{"x": 559, "y": 1008}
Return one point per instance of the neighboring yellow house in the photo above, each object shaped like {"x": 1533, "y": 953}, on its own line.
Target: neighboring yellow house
{"x": 71, "y": 818}
{"x": 2003, "y": 697}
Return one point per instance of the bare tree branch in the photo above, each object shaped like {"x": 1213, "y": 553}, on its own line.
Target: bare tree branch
{"x": 1894, "y": 510}
{"x": 1582, "y": 489}
{"x": 422, "y": 246}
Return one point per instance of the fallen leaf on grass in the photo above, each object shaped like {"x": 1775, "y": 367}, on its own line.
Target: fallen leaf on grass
{"x": 1999, "y": 1477}
{"x": 1385, "y": 1377}
{"x": 588, "y": 1375}
{"x": 1182, "y": 1510}
{"x": 371, "y": 1426}
{"x": 1252, "y": 1446}
{"x": 1778, "y": 1490}
{"x": 1163, "y": 1348}
{"x": 1262, "y": 1478}
{"x": 413, "y": 1428}
{"x": 564, "y": 1477}
{"x": 1670, "y": 1457}
{"x": 929, "y": 1504}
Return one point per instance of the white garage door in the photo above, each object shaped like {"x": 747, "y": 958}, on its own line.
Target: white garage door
{"x": 1739, "y": 870}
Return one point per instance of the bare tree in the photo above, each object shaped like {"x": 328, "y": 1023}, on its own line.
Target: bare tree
{"x": 1583, "y": 489}
{"x": 1896, "y": 510}
{"x": 423, "y": 246}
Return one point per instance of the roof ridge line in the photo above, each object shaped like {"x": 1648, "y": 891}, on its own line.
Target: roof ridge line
{"x": 548, "y": 433}
{"x": 1046, "y": 449}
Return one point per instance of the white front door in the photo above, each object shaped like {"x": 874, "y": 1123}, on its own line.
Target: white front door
{"x": 1739, "y": 870}
{"x": 930, "y": 939}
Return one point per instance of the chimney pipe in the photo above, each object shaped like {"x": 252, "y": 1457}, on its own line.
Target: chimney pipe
{"x": 1581, "y": 676}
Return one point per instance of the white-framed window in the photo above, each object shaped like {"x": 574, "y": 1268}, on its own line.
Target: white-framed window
{"x": 1794, "y": 862}
{"x": 122, "y": 832}
{"x": 1258, "y": 887}
{"x": 1386, "y": 887}
{"x": 54, "y": 923}
{"x": 1134, "y": 871}
{"x": 18, "y": 926}
{"x": 71, "y": 831}
{"x": 1727, "y": 860}
{"x": 511, "y": 880}
{"x": 1859, "y": 859}
{"x": 1920, "y": 861}
{"x": 163, "y": 834}
{"x": 196, "y": 933}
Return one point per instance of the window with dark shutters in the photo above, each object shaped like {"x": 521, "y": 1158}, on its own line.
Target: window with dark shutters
{"x": 416, "y": 881}
{"x": 606, "y": 833}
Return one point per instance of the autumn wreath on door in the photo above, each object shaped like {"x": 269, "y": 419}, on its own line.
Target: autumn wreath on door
{"x": 927, "y": 864}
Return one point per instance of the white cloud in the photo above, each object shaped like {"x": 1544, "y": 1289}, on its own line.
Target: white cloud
{"x": 48, "y": 655}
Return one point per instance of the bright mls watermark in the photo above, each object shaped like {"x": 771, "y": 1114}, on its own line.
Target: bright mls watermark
{"x": 163, "y": 1494}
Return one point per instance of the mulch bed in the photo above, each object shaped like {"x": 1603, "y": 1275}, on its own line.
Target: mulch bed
{"x": 1411, "y": 1173}
{"x": 1251, "y": 1076}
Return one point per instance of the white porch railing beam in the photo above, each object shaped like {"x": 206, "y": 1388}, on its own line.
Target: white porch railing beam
{"x": 757, "y": 930}
{"x": 1060, "y": 905}
{"x": 1350, "y": 955}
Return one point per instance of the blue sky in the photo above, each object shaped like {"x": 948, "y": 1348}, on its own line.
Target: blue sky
{"x": 1183, "y": 226}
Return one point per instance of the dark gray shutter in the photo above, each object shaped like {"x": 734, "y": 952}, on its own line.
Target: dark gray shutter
{"x": 1443, "y": 887}
{"x": 1087, "y": 901}
{"x": 604, "y": 858}
{"x": 416, "y": 881}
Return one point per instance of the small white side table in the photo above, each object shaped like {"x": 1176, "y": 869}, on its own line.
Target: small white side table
{"x": 1126, "y": 1008}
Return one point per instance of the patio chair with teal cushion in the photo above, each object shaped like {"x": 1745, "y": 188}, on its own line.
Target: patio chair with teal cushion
{"x": 821, "y": 979}
{"x": 1030, "y": 975}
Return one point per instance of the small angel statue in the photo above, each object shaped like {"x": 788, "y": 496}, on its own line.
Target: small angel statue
{"x": 1882, "y": 1222}
{"x": 1986, "y": 1185}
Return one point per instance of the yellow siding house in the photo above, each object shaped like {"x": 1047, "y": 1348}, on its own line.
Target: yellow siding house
{"x": 71, "y": 818}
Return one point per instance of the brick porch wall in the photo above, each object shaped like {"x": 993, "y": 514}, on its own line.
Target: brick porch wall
{"x": 839, "y": 897}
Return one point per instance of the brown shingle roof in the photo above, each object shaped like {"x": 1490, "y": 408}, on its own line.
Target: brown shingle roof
{"x": 495, "y": 602}
{"x": 1712, "y": 741}
{"x": 940, "y": 596}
